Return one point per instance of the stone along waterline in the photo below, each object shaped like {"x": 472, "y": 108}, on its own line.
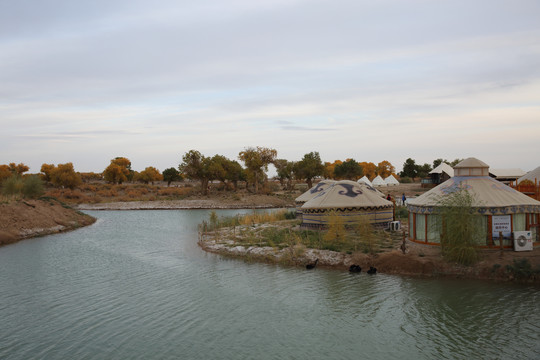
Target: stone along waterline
{"x": 135, "y": 285}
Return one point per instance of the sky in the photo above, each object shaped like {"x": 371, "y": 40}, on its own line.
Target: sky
{"x": 87, "y": 81}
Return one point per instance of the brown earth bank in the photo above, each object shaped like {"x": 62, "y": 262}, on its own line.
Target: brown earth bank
{"x": 418, "y": 260}
{"x": 21, "y": 219}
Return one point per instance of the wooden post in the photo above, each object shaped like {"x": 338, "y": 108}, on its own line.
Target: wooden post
{"x": 501, "y": 242}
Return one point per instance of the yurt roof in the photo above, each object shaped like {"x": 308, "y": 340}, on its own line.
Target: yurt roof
{"x": 391, "y": 180}
{"x": 378, "y": 181}
{"x": 471, "y": 163}
{"x": 365, "y": 180}
{"x": 531, "y": 175}
{"x": 347, "y": 194}
{"x": 443, "y": 167}
{"x": 320, "y": 186}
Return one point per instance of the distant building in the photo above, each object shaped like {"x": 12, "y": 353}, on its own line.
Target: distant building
{"x": 506, "y": 176}
{"x": 438, "y": 175}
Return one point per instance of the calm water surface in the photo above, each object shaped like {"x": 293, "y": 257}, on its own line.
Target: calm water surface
{"x": 136, "y": 286}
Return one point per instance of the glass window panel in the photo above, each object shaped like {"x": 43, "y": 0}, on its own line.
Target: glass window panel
{"x": 420, "y": 227}
{"x": 481, "y": 229}
{"x": 434, "y": 228}
{"x": 520, "y": 222}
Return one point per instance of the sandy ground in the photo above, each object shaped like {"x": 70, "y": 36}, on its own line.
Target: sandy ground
{"x": 29, "y": 218}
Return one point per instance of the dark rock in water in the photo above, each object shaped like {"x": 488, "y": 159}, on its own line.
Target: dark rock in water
{"x": 372, "y": 270}
{"x": 355, "y": 268}
{"x": 313, "y": 265}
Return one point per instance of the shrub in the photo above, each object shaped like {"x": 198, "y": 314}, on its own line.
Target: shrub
{"x": 32, "y": 187}
{"x": 12, "y": 186}
{"x": 405, "y": 180}
{"x": 521, "y": 269}
{"x": 28, "y": 187}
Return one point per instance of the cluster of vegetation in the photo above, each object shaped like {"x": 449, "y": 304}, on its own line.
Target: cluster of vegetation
{"x": 459, "y": 227}
{"x": 522, "y": 269}
{"x": 68, "y": 183}
{"x": 253, "y": 230}
{"x": 411, "y": 170}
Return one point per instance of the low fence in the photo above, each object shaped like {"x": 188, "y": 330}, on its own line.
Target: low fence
{"x": 532, "y": 190}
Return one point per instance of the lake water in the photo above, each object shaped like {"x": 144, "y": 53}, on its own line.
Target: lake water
{"x": 135, "y": 285}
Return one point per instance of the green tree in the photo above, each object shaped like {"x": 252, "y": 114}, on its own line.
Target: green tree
{"x": 285, "y": 171}
{"x": 410, "y": 169}
{"x": 256, "y": 161}
{"x": 195, "y": 167}
{"x": 235, "y": 173}
{"x": 438, "y": 162}
{"x": 424, "y": 170}
{"x": 309, "y": 167}
{"x": 217, "y": 168}
{"x": 349, "y": 169}
{"x": 170, "y": 175}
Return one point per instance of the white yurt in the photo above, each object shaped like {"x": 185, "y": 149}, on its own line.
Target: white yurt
{"x": 391, "y": 181}
{"x": 311, "y": 193}
{"x": 378, "y": 181}
{"x": 348, "y": 199}
{"x": 365, "y": 180}
{"x": 499, "y": 207}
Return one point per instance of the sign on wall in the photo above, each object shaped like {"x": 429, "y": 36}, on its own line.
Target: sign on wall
{"x": 501, "y": 223}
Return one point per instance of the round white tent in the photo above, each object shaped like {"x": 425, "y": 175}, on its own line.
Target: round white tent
{"x": 495, "y": 203}
{"x": 350, "y": 200}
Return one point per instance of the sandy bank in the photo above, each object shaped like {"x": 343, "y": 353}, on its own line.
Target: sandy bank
{"x": 29, "y": 218}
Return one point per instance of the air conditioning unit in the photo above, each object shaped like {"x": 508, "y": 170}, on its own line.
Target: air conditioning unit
{"x": 395, "y": 225}
{"x": 523, "y": 241}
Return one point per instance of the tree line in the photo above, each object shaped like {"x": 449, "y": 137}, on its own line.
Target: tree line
{"x": 413, "y": 170}
{"x": 198, "y": 167}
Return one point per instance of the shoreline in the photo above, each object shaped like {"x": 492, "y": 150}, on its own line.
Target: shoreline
{"x": 419, "y": 260}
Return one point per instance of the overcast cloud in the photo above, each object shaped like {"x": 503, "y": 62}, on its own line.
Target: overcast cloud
{"x": 84, "y": 82}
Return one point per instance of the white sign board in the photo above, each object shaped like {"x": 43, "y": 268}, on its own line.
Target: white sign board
{"x": 501, "y": 223}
